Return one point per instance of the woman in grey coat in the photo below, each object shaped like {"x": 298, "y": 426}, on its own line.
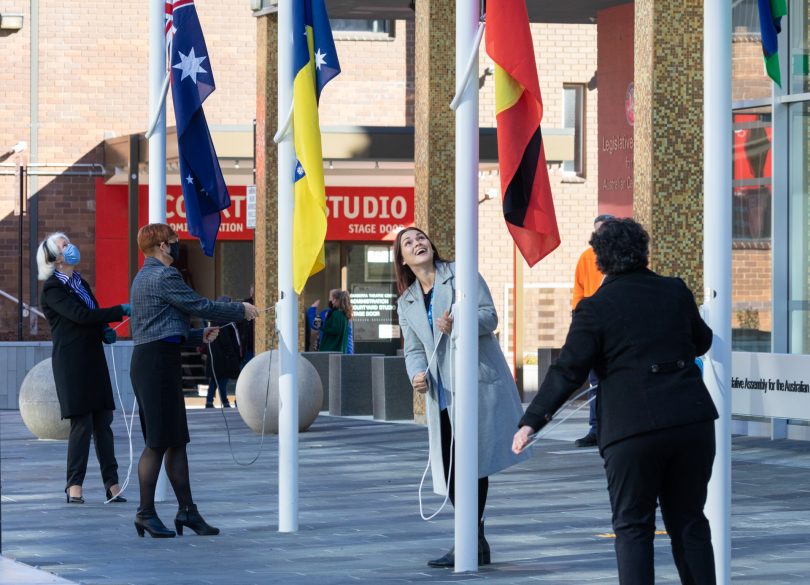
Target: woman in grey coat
{"x": 426, "y": 284}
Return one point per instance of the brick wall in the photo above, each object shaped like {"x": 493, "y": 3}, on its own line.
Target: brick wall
{"x": 93, "y": 85}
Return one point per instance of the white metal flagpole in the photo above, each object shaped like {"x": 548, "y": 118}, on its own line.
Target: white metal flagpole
{"x": 717, "y": 145}
{"x": 157, "y": 145}
{"x": 157, "y": 140}
{"x": 466, "y": 302}
{"x": 287, "y": 315}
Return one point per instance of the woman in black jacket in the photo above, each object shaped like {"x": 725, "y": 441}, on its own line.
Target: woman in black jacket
{"x": 78, "y": 326}
{"x": 641, "y": 332}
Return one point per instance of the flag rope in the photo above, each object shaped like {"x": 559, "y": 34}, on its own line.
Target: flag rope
{"x": 472, "y": 61}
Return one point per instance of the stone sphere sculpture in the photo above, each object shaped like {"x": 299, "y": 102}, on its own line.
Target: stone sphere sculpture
{"x": 39, "y": 406}
{"x": 252, "y": 388}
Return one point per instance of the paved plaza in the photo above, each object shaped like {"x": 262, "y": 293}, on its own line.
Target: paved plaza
{"x": 548, "y": 520}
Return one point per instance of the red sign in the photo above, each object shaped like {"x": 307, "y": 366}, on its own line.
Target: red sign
{"x": 233, "y": 225}
{"x": 368, "y": 213}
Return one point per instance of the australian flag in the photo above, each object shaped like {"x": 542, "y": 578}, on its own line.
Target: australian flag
{"x": 204, "y": 189}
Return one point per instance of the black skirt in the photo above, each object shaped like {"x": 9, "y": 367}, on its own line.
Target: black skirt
{"x": 157, "y": 378}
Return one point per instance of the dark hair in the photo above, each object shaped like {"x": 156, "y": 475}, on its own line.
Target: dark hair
{"x": 621, "y": 245}
{"x": 404, "y": 274}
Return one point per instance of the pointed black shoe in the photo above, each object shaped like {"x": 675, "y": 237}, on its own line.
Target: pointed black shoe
{"x": 189, "y": 516}
{"x": 448, "y": 561}
{"x": 147, "y": 520}
{"x": 119, "y": 499}
{"x": 74, "y": 499}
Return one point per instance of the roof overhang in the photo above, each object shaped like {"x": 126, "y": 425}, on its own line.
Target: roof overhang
{"x": 353, "y": 155}
{"x": 551, "y": 11}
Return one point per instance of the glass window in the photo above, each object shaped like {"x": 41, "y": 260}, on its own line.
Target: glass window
{"x": 573, "y": 117}
{"x": 799, "y": 227}
{"x": 751, "y": 286}
{"x": 751, "y": 183}
{"x": 744, "y": 17}
{"x": 354, "y": 25}
{"x": 799, "y": 46}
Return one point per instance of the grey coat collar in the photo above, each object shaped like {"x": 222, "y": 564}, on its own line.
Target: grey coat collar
{"x": 443, "y": 293}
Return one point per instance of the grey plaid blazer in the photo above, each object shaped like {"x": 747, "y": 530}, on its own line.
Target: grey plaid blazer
{"x": 162, "y": 304}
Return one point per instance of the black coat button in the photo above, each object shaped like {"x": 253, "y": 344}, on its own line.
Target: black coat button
{"x": 654, "y": 368}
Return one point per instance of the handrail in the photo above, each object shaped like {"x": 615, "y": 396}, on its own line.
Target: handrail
{"x": 26, "y": 306}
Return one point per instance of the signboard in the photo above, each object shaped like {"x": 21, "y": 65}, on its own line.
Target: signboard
{"x": 250, "y": 207}
{"x": 769, "y": 384}
{"x": 368, "y": 213}
{"x": 233, "y": 226}
{"x": 374, "y": 312}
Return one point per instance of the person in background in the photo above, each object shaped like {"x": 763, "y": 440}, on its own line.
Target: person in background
{"x": 641, "y": 332}
{"x": 426, "y": 284}
{"x": 335, "y": 329}
{"x": 162, "y": 307}
{"x": 79, "y": 326}
{"x": 312, "y": 331}
{"x": 223, "y": 360}
{"x": 587, "y": 279}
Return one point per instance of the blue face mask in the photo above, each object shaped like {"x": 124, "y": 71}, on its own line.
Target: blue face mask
{"x": 71, "y": 255}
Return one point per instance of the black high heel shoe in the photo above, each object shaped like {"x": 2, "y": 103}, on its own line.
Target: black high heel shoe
{"x": 189, "y": 516}
{"x": 448, "y": 561}
{"x": 119, "y": 499}
{"x": 73, "y": 499}
{"x": 147, "y": 520}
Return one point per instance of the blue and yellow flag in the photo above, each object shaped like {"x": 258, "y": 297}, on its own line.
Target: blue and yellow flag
{"x": 315, "y": 62}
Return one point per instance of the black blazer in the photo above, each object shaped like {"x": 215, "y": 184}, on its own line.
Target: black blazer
{"x": 79, "y": 366}
{"x": 640, "y": 332}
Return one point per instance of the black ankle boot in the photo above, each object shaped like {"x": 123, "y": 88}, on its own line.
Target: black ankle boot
{"x": 189, "y": 516}
{"x": 147, "y": 520}
{"x": 448, "y": 561}
{"x": 484, "y": 555}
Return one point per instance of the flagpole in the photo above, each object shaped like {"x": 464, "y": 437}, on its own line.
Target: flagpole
{"x": 157, "y": 140}
{"x": 287, "y": 315}
{"x": 466, "y": 302}
{"x": 157, "y": 145}
{"x": 717, "y": 146}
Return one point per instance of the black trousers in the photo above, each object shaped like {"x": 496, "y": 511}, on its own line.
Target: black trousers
{"x": 483, "y": 482}
{"x": 672, "y": 467}
{"x": 82, "y": 428}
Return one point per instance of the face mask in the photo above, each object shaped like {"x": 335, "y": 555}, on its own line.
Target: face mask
{"x": 331, "y": 305}
{"x": 71, "y": 255}
{"x": 174, "y": 251}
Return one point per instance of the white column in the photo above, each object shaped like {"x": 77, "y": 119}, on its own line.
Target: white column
{"x": 157, "y": 141}
{"x": 157, "y": 146}
{"x": 717, "y": 147}
{"x": 466, "y": 304}
{"x": 288, "y": 301}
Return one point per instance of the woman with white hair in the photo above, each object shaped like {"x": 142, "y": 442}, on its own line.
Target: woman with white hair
{"x": 78, "y": 327}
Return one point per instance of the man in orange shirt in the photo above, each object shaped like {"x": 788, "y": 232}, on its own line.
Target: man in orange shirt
{"x": 587, "y": 279}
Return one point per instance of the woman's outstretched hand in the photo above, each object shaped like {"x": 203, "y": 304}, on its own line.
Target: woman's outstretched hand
{"x": 521, "y": 439}
{"x": 445, "y": 323}
{"x": 419, "y": 382}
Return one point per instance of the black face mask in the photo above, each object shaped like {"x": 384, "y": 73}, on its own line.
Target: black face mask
{"x": 331, "y": 305}
{"x": 174, "y": 250}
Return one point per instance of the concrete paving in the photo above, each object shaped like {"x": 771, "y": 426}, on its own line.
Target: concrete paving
{"x": 548, "y": 520}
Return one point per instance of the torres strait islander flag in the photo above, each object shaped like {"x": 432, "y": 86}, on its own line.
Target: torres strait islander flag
{"x": 527, "y": 204}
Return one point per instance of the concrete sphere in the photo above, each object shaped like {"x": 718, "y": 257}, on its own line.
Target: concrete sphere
{"x": 39, "y": 406}
{"x": 251, "y": 390}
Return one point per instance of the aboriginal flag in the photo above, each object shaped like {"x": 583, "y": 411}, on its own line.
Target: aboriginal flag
{"x": 527, "y": 204}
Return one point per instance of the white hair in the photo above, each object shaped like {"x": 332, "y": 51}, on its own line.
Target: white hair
{"x": 44, "y": 262}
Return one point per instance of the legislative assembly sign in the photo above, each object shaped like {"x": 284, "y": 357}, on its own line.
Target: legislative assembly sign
{"x": 770, "y": 384}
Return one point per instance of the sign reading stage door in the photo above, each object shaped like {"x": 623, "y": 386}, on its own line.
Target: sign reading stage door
{"x": 368, "y": 213}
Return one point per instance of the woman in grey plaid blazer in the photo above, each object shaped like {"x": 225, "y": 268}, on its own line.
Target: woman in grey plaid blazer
{"x": 162, "y": 304}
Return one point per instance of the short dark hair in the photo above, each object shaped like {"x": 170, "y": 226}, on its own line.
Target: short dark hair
{"x": 154, "y": 234}
{"x": 621, "y": 245}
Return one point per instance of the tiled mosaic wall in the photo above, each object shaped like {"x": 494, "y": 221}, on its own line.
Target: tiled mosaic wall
{"x": 668, "y": 186}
